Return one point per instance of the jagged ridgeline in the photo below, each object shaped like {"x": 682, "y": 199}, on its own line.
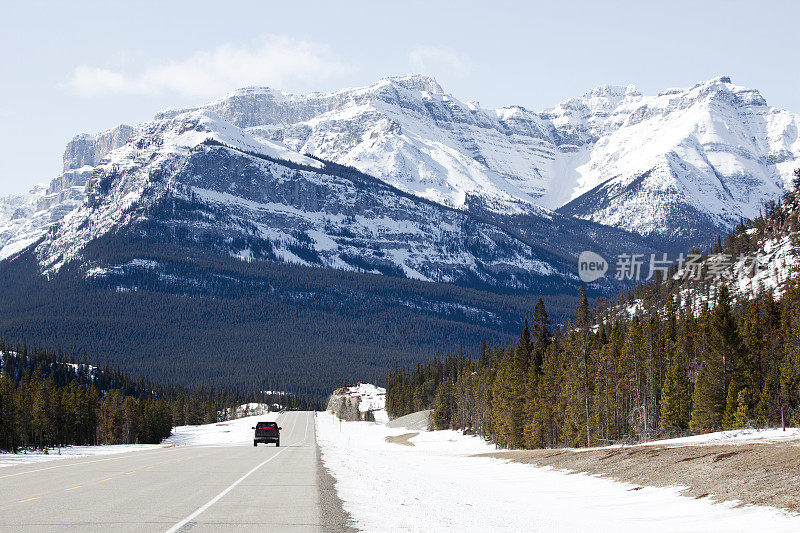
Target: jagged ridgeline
{"x": 672, "y": 356}
{"x": 49, "y": 400}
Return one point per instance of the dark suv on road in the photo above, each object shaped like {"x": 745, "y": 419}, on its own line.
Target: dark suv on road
{"x": 267, "y": 432}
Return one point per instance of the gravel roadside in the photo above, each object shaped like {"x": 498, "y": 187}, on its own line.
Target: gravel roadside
{"x": 333, "y": 516}
{"x": 759, "y": 474}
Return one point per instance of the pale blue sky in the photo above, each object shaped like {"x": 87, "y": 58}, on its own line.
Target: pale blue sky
{"x": 72, "y": 67}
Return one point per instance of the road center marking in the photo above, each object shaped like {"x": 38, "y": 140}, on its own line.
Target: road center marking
{"x": 129, "y": 473}
{"x": 104, "y": 480}
{"x": 29, "y": 499}
{"x": 73, "y": 488}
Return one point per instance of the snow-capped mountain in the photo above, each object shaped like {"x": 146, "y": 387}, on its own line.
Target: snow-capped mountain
{"x": 683, "y": 164}
{"x": 405, "y": 130}
{"x": 192, "y": 177}
{"x": 24, "y": 218}
{"x": 224, "y": 232}
{"x": 686, "y": 162}
{"x": 676, "y": 168}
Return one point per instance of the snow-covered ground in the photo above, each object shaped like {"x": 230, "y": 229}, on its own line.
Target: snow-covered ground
{"x": 237, "y": 432}
{"x": 233, "y": 432}
{"x": 738, "y": 436}
{"x": 435, "y": 485}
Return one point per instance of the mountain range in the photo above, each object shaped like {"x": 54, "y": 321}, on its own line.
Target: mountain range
{"x": 396, "y": 180}
{"x": 674, "y": 168}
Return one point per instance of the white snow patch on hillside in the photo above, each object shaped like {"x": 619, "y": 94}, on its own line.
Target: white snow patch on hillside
{"x": 436, "y": 486}
{"x": 778, "y": 259}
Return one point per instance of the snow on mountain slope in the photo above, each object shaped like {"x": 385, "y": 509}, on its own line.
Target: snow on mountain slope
{"x": 195, "y": 177}
{"x": 679, "y": 165}
{"x": 25, "y": 218}
{"x": 406, "y": 131}
{"x": 714, "y": 152}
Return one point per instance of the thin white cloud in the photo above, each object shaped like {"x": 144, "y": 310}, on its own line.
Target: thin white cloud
{"x": 439, "y": 60}
{"x": 276, "y": 61}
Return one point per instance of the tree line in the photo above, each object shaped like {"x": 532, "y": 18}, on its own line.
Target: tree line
{"x": 49, "y": 400}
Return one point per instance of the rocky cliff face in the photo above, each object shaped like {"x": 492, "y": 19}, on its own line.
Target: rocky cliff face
{"x": 24, "y": 218}
{"x": 87, "y": 150}
{"x": 361, "y": 402}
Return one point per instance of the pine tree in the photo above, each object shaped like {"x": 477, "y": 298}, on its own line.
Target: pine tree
{"x": 675, "y": 395}
{"x": 508, "y": 401}
{"x": 708, "y": 401}
{"x": 7, "y": 414}
{"x": 742, "y": 415}
{"x": 582, "y": 323}
{"x": 541, "y": 335}
{"x": 725, "y": 342}
{"x": 731, "y": 407}
{"x": 717, "y": 371}
{"x": 524, "y": 350}
{"x": 443, "y": 406}
{"x": 766, "y": 410}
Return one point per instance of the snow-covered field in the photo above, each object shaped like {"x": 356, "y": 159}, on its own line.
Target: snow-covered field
{"x": 435, "y": 485}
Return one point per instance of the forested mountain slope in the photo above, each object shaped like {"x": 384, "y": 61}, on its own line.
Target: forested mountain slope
{"x": 674, "y": 355}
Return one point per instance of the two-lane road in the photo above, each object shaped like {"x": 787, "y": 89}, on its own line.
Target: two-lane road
{"x": 197, "y": 488}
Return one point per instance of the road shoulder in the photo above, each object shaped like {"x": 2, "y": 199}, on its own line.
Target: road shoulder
{"x": 333, "y": 517}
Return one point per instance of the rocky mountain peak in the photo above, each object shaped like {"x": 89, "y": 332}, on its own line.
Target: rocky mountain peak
{"x": 416, "y": 82}
{"x": 86, "y": 150}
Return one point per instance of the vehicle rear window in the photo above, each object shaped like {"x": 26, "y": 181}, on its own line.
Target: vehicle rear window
{"x": 266, "y": 425}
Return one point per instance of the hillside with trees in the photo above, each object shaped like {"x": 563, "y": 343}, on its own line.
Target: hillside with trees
{"x": 691, "y": 355}
{"x": 49, "y": 401}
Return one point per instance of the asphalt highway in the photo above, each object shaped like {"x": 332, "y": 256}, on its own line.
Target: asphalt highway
{"x": 183, "y": 488}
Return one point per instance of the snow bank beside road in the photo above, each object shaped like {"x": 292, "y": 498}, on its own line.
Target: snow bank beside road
{"x": 435, "y": 486}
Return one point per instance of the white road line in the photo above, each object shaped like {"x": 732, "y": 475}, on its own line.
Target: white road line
{"x": 216, "y": 498}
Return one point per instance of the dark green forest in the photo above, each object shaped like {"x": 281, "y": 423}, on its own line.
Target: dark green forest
{"x": 681, "y": 365}
{"x": 49, "y": 400}
{"x": 212, "y": 320}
